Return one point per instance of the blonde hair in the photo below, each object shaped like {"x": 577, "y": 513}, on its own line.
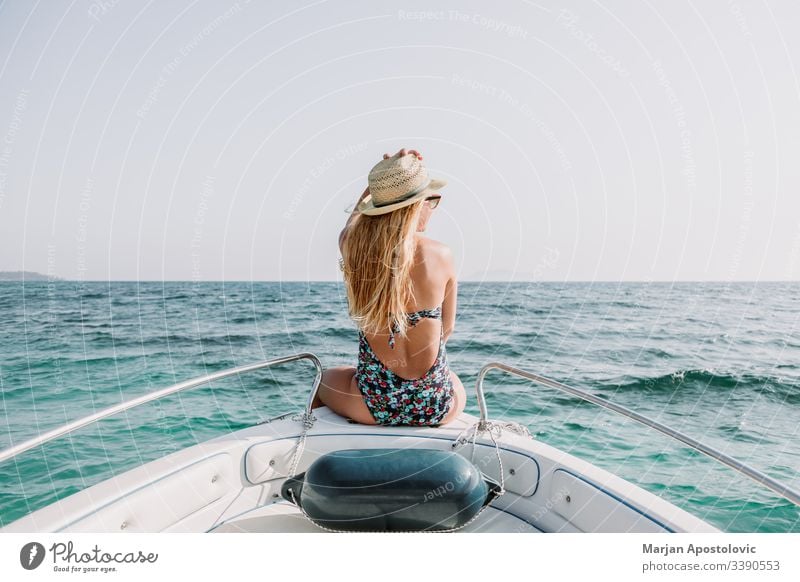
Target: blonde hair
{"x": 378, "y": 253}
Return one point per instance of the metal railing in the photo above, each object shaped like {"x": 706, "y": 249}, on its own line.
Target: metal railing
{"x": 773, "y": 484}
{"x": 185, "y": 385}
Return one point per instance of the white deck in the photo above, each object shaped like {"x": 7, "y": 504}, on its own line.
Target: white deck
{"x": 285, "y": 517}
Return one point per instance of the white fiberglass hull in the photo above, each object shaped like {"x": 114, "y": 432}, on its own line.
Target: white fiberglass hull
{"x": 233, "y": 483}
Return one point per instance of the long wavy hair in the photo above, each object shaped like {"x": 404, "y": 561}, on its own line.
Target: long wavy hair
{"x": 378, "y": 253}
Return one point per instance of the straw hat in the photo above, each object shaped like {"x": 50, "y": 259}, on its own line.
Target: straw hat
{"x": 396, "y": 182}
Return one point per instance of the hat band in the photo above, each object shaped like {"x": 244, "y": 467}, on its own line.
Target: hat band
{"x": 376, "y": 204}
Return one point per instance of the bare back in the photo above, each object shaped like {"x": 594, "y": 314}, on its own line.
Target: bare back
{"x": 434, "y": 284}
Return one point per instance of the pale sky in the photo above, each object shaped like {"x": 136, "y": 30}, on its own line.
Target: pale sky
{"x": 224, "y": 140}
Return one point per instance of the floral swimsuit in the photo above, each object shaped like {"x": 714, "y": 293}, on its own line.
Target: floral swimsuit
{"x": 395, "y": 400}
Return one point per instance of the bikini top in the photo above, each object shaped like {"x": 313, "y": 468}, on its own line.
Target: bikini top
{"x": 414, "y": 319}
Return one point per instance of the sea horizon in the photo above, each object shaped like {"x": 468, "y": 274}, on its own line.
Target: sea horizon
{"x": 721, "y": 281}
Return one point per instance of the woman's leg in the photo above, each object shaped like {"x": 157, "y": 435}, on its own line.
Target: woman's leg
{"x": 339, "y": 391}
{"x": 460, "y": 396}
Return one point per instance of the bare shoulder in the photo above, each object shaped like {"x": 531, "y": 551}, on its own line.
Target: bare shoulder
{"x": 435, "y": 252}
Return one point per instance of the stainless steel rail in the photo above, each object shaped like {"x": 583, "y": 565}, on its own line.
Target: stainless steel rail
{"x": 185, "y": 385}
{"x": 778, "y": 487}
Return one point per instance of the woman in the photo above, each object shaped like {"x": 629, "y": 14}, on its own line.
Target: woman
{"x": 401, "y": 289}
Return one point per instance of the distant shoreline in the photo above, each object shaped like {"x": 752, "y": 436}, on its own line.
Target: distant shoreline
{"x": 27, "y": 276}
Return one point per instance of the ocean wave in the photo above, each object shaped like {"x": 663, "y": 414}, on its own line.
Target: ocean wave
{"x": 489, "y": 345}
{"x": 94, "y": 296}
{"x": 740, "y": 433}
{"x": 235, "y": 339}
{"x": 630, "y": 304}
{"x": 100, "y": 360}
{"x": 178, "y": 296}
{"x": 708, "y": 379}
{"x": 576, "y": 426}
{"x": 187, "y": 340}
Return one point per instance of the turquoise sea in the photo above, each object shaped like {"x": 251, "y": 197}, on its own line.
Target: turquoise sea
{"x": 720, "y": 362}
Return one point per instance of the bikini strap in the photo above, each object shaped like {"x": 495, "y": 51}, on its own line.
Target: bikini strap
{"x": 435, "y": 313}
{"x": 414, "y": 318}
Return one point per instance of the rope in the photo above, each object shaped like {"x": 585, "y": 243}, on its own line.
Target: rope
{"x": 308, "y": 419}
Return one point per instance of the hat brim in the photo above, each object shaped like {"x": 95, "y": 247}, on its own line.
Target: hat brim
{"x": 366, "y": 206}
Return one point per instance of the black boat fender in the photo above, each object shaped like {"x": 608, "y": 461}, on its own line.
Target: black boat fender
{"x": 391, "y": 490}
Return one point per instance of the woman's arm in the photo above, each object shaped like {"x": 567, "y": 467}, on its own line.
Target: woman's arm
{"x": 450, "y": 296}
